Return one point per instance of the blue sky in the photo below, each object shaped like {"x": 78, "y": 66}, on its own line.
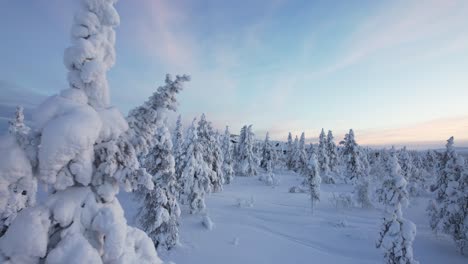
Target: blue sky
{"x": 395, "y": 71}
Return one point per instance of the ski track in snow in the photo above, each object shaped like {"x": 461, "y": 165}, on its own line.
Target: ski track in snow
{"x": 279, "y": 228}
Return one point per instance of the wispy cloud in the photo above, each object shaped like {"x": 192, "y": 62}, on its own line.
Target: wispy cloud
{"x": 164, "y": 32}
{"x": 402, "y": 22}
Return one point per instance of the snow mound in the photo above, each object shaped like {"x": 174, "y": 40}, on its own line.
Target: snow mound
{"x": 207, "y": 223}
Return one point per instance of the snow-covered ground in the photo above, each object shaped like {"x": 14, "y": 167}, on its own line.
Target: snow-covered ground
{"x": 274, "y": 226}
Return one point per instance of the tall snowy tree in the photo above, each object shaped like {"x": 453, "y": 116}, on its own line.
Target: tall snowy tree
{"x": 289, "y": 153}
{"x": 410, "y": 172}
{"x": 18, "y": 187}
{"x": 449, "y": 211}
{"x": 246, "y": 161}
{"x": 323, "y": 159}
{"x": 211, "y": 154}
{"x": 313, "y": 180}
{"x": 332, "y": 153}
{"x": 268, "y": 157}
{"x": 195, "y": 177}
{"x": 299, "y": 154}
{"x": 228, "y": 160}
{"x": 85, "y": 155}
{"x": 159, "y": 214}
{"x": 178, "y": 143}
{"x": 397, "y": 233}
{"x": 356, "y": 172}
{"x": 268, "y": 153}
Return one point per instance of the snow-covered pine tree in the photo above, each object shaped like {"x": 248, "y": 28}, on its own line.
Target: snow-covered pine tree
{"x": 311, "y": 150}
{"x": 246, "y": 161}
{"x": 195, "y": 177}
{"x": 397, "y": 233}
{"x": 85, "y": 155}
{"x": 268, "y": 153}
{"x": 228, "y": 160}
{"x": 218, "y": 161}
{"x": 323, "y": 159}
{"x": 159, "y": 214}
{"x": 151, "y": 137}
{"x": 18, "y": 187}
{"x": 299, "y": 154}
{"x": 332, "y": 152}
{"x": 356, "y": 170}
{"x": 178, "y": 143}
{"x": 289, "y": 153}
{"x": 295, "y": 155}
{"x": 268, "y": 157}
{"x": 313, "y": 180}
{"x": 409, "y": 171}
{"x": 211, "y": 154}
{"x": 143, "y": 119}
{"x": 449, "y": 211}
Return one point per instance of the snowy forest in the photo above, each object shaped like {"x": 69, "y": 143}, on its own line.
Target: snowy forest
{"x": 83, "y": 183}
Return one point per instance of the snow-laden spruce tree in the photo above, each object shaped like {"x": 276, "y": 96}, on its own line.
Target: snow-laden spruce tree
{"x": 246, "y": 161}
{"x": 17, "y": 185}
{"x": 323, "y": 159}
{"x": 397, "y": 233}
{"x": 268, "y": 153}
{"x": 85, "y": 155}
{"x": 300, "y": 160}
{"x": 159, "y": 213}
{"x": 449, "y": 211}
{"x": 217, "y": 164}
{"x": 409, "y": 171}
{"x": 143, "y": 120}
{"x": 195, "y": 177}
{"x": 290, "y": 153}
{"x": 332, "y": 152}
{"x": 313, "y": 180}
{"x": 212, "y": 154}
{"x": 268, "y": 158}
{"x": 178, "y": 143}
{"x": 228, "y": 161}
{"x": 356, "y": 171}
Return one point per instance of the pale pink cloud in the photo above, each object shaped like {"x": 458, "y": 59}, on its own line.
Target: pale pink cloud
{"x": 163, "y": 31}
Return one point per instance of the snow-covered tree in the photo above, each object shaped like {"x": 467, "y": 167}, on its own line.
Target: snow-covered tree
{"x": 268, "y": 153}
{"x": 85, "y": 155}
{"x": 323, "y": 159}
{"x": 159, "y": 214}
{"x": 151, "y": 137}
{"x": 356, "y": 170}
{"x": 17, "y": 185}
{"x": 268, "y": 158}
{"x": 212, "y": 154}
{"x": 299, "y": 154}
{"x": 178, "y": 143}
{"x": 410, "y": 172}
{"x": 143, "y": 120}
{"x": 246, "y": 161}
{"x": 228, "y": 160}
{"x": 313, "y": 180}
{"x": 332, "y": 153}
{"x": 449, "y": 211}
{"x": 397, "y": 233}
{"x": 217, "y": 164}
{"x": 195, "y": 177}
{"x": 289, "y": 153}
{"x": 17, "y": 125}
